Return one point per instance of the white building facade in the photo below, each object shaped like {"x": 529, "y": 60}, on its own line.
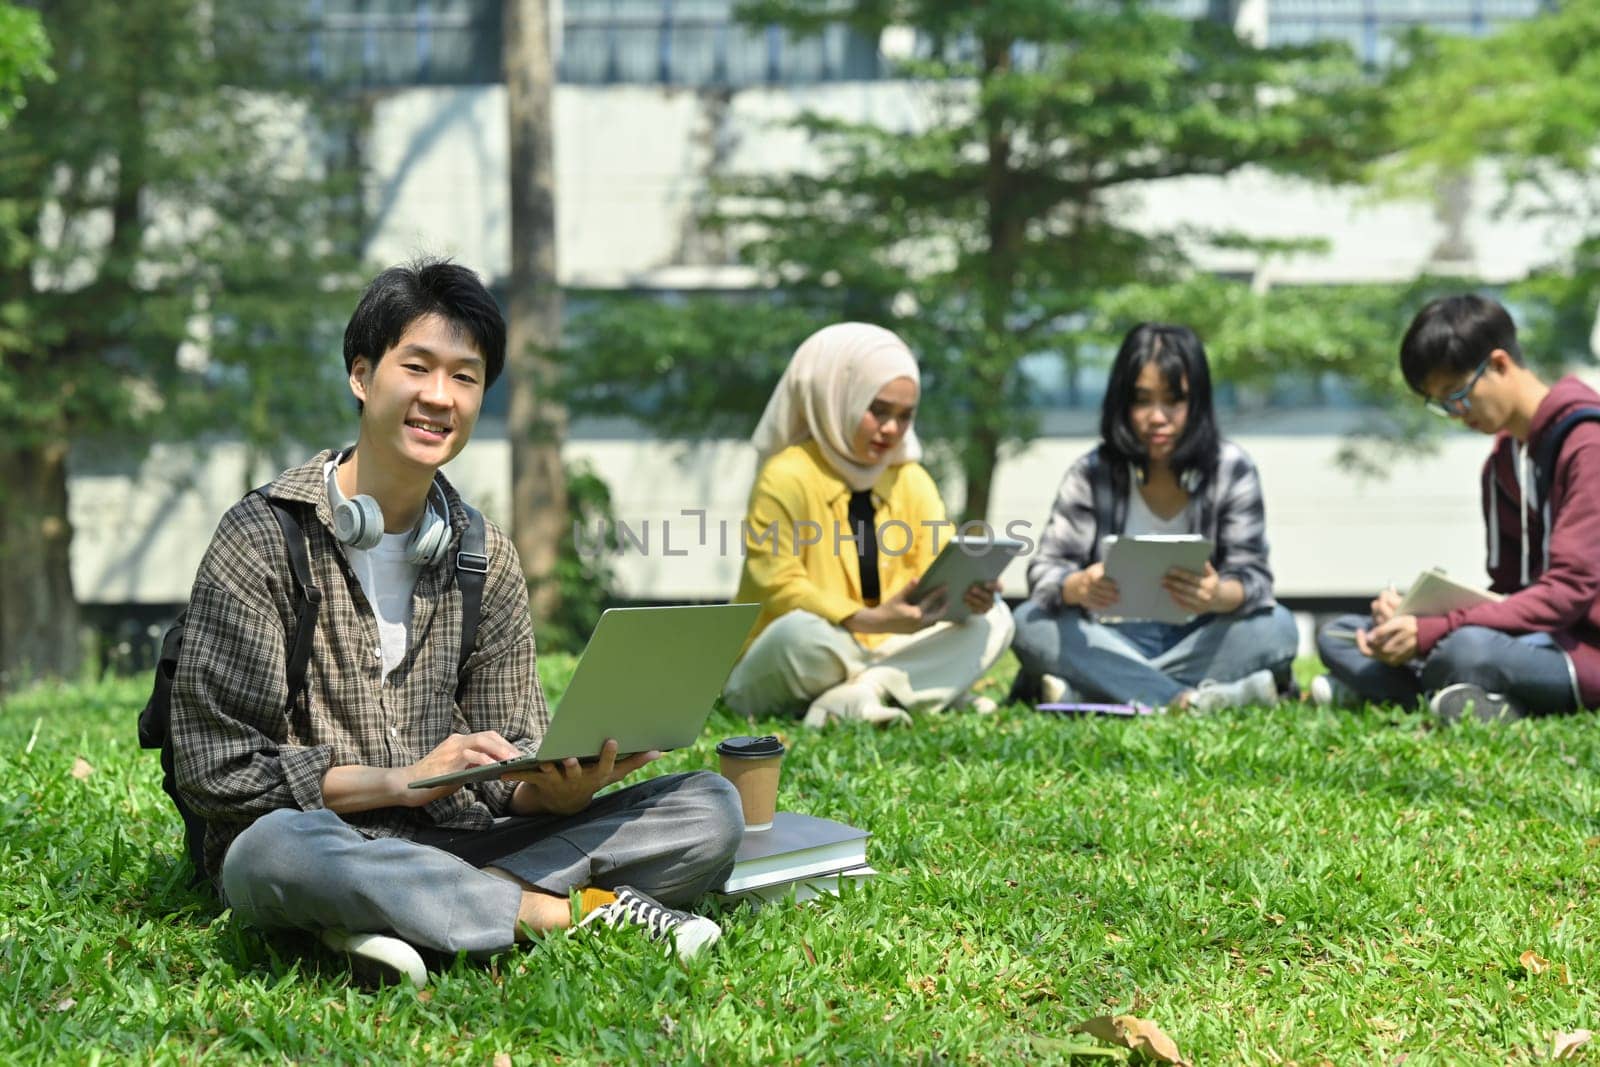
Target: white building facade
{"x": 659, "y": 98}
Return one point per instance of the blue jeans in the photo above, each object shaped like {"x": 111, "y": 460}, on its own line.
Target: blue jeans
{"x": 1530, "y": 670}
{"x": 1151, "y": 662}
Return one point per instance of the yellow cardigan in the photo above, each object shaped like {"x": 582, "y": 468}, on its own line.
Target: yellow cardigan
{"x": 797, "y": 487}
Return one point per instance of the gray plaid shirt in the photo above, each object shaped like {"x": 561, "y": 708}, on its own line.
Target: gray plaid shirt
{"x": 1093, "y": 502}
{"x": 242, "y": 752}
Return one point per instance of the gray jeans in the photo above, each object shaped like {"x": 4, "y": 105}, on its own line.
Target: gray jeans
{"x": 1530, "y": 670}
{"x": 672, "y": 837}
{"x": 1152, "y": 663}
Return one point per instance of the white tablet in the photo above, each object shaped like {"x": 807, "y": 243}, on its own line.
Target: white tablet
{"x": 1137, "y": 565}
{"x": 962, "y": 563}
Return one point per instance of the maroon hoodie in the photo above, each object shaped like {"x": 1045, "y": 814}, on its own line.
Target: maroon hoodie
{"x": 1553, "y": 586}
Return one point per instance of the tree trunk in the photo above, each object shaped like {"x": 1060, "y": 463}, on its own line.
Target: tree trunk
{"x": 537, "y": 424}
{"x": 979, "y": 457}
{"x": 39, "y": 632}
{"x": 997, "y": 361}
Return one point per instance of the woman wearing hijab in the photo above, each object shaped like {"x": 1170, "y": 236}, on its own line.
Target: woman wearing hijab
{"x": 1161, "y": 468}
{"x": 841, "y": 522}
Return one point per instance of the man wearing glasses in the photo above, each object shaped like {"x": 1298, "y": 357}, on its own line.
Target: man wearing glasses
{"x": 1537, "y": 651}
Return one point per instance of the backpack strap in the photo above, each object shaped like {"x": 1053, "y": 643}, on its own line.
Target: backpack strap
{"x": 308, "y": 598}
{"x": 472, "y": 565}
{"x": 1544, "y": 461}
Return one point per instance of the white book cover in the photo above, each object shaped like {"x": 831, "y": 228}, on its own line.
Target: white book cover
{"x": 797, "y": 846}
{"x": 823, "y": 885}
{"x": 1436, "y": 593}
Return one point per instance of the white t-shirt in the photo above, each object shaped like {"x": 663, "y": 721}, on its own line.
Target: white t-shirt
{"x": 1141, "y": 520}
{"x": 388, "y": 579}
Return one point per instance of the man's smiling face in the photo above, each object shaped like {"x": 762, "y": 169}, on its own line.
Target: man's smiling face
{"x": 422, "y": 398}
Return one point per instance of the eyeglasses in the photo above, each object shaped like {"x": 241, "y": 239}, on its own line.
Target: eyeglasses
{"x": 1458, "y": 402}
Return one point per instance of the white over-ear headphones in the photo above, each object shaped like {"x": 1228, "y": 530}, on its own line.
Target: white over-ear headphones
{"x": 359, "y": 523}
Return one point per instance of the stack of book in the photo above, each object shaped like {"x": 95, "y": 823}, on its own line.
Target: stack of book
{"x": 803, "y": 854}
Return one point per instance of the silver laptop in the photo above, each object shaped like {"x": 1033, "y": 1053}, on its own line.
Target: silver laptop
{"x": 647, "y": 678}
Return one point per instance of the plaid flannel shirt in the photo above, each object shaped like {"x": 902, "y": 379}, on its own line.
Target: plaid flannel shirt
{"x": 1092, "y": 503}
{"x": 242, "y": 751}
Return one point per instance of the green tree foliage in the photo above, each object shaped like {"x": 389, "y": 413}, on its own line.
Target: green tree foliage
{"x": 996, "y": 225}
{"x": 1525, "y": 100}
{"x": 24, "y": 56}
{"x": 175, "y": 241}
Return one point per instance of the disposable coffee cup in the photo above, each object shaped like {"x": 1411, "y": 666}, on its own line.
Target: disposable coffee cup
{"x": 752, "y": 764}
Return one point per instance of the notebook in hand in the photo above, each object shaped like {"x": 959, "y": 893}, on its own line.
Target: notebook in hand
{"x": 962, "y": 563}
{"x": 1137, "y": 565}
{"x": 1436, "y": 593}
{"x": 798, "y": 846}
{"x": 648, "y": 678}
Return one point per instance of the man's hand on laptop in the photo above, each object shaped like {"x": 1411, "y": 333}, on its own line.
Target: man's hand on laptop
{"x": 566, "y": 787}
{"x": 458, "y": 752}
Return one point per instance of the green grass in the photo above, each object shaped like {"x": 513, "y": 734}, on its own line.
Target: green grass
{"x": 1291, "y": 885}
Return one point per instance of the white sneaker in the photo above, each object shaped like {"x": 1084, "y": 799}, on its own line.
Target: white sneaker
{"x": 853, "y": 701}
{"x": 379, "y": 959}
{"x": 687, "y": 934}
{"x": 1456, "y": 702}
{"x": 1052, "y": 690}
{"x": 1258, "y": 689}
{"x": 1328, "y": 692}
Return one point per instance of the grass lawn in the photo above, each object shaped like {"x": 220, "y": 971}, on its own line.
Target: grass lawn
{"x": 1289, "y": 885}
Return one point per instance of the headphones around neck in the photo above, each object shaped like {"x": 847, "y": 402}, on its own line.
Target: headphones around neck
{"x": 358, "y": 523}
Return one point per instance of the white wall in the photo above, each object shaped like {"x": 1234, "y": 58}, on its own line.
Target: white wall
{"x": 632, "y": 164}
{"x": 140, "y": 538}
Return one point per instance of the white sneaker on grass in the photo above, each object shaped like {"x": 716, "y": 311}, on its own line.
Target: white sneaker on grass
{"x": 688, "y": 934}
{"x": 1052, "y": 690}
{"x": 1328, "y": 692}
{"x": 1456, "y": 702}
{"x": 1258, "y": 689}
{"x": 379, "y": 959}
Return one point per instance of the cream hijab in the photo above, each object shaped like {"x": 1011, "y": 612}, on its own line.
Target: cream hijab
{"x": 830, "y": 383}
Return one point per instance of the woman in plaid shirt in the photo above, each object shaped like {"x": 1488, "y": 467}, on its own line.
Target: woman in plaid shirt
{"x": 1160, "y": 468}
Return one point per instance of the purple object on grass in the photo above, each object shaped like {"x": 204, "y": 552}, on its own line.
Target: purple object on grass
{"x": 1079, "y": 708}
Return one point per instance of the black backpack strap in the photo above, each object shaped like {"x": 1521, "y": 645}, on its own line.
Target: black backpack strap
{"x": 1544, "y": 461}
{"x": 472, "y": 565}
{"x": 308, "y": 598}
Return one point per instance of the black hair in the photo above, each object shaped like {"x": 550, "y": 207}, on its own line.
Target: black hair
{"x": 401, "y": 295}
{"x": 1453, "y": 335}
{"x": 1177, "y": 351}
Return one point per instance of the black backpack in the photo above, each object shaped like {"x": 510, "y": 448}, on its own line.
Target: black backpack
{"x": 155, "y": 721}
{"x": 1544, "y": 461}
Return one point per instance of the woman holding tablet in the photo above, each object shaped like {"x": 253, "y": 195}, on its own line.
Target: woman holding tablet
{"x": 841, "y": 522}
{"x": 1160, "y": 468}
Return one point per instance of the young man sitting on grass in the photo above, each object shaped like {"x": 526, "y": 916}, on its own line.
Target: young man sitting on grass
{"x": 1537, "y": 651}
{"x": 309, "y": 821}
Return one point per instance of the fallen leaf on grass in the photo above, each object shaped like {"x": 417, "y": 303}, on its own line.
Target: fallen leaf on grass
{"x": 1565, "y": 1044}
{"x": 66, "y": 1004}
{"x": 81, "y": 768}
{"x": 1131, "y": 1032}
{"x": 502, "y": 1059}
{"x": 1533, "y": 963}
{"x": 425, "y": 995}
